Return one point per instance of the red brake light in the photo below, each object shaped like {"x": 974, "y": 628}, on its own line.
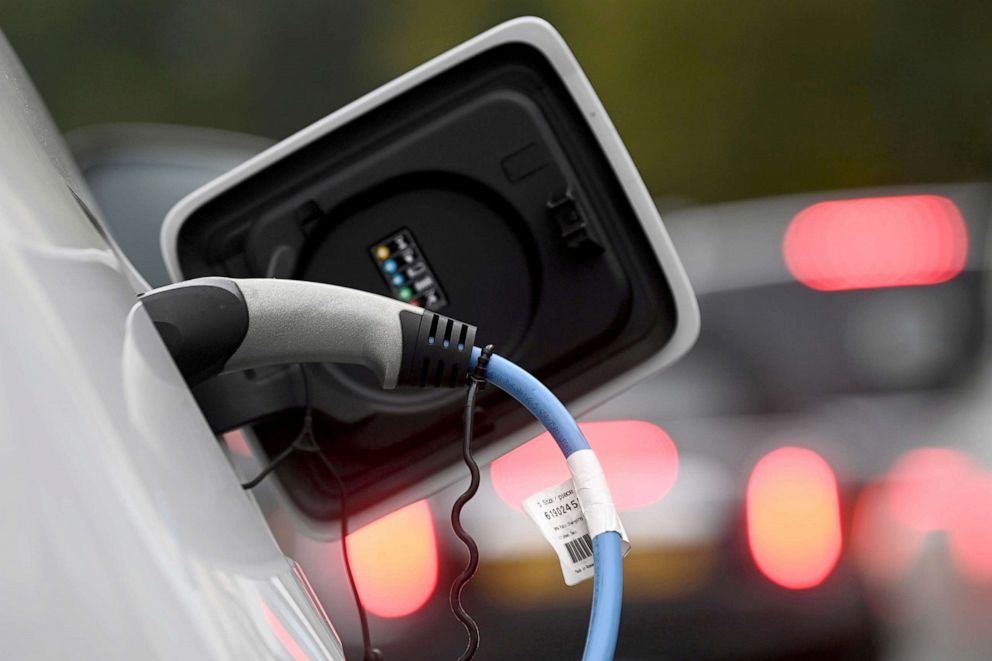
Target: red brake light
{"x": 970, "y": 528}
{"x": 639, "y": 459}
{"x": 876, "y": 242}
{"x": 395, "y": 561}
{"x": 793, "y": 517}
{"x": 928, "y": 490}
{"x": 923, "y": 487}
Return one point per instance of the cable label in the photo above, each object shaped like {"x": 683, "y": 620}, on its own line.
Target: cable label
{"x": 558, "y": 514}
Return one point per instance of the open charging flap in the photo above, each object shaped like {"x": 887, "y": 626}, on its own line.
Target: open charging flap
{"x": 488, "y": 185}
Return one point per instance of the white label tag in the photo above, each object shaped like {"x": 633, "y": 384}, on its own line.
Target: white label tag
{"x": 558, "y": 515}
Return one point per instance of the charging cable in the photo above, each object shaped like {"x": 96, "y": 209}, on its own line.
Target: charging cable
{"x": 216, "y": 325}
{"x": 594, "y": 496}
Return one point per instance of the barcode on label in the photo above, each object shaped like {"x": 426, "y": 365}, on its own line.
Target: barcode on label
{"x": 579, "y": 549}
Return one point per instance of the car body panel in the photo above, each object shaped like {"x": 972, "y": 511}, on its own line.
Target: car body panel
{"x": 126, "y": 532}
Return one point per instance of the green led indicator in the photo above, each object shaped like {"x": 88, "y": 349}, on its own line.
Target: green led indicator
{"x": 406, "y": 293}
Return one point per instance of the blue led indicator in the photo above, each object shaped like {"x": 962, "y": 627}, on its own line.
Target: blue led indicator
{"x": 389, "y": 266}
{"x": 398, "y": 279}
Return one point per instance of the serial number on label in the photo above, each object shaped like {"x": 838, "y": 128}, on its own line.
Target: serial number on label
{"x": 561, "y": 510}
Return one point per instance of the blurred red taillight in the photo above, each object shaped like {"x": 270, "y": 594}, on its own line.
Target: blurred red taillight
{"x": 876, "y": 242}
{"x": 793, "y": 517}
{"x": 395, "y": 561}
{"x": 927, "y": 491}
{"x": 639, "y": 459}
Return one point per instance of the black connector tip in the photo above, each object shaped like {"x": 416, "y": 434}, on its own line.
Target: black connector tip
{"x": 202, "y": 324}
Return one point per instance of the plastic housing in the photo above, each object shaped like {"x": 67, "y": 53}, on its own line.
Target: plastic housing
{"x": 499, "y": 161}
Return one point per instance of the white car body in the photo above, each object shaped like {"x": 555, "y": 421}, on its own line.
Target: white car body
{"x": 126, "y": 533}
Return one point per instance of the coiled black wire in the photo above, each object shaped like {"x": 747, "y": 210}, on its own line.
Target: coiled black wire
{"x": 476, "y": 381}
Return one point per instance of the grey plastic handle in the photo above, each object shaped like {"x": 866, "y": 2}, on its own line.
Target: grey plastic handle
{"x": 291, "y": 321}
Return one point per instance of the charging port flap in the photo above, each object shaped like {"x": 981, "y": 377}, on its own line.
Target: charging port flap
{"x": 488, "y": 185}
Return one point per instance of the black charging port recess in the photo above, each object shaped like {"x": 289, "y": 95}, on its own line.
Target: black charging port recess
{"x": 481, "y": 194}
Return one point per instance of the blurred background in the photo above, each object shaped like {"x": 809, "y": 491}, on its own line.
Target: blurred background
{"x": 815, "y": 479}
{"x": 715, "y": 100}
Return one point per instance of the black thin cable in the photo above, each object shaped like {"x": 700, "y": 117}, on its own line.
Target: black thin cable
{"x": 272, "y": 465}
{"x": 476, "y": 382}
{"x": 306, "y": 442}
{"x": 299, "y": 443}
{"x": 371, "y": 653}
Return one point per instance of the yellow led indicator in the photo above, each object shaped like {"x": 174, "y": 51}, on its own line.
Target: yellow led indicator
{"x": 382, "y": 252}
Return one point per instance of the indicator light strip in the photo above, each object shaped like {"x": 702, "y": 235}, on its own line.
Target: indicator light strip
{"x": 406, "y": 271}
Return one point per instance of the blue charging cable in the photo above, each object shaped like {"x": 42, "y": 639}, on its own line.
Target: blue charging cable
{"x": 607, "y": 596}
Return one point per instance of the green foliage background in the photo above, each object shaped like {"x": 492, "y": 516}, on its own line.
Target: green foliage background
{"x": 716, "y": 99}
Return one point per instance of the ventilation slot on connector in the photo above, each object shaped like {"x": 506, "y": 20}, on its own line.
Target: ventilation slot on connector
{"x": 437, "y": 350}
